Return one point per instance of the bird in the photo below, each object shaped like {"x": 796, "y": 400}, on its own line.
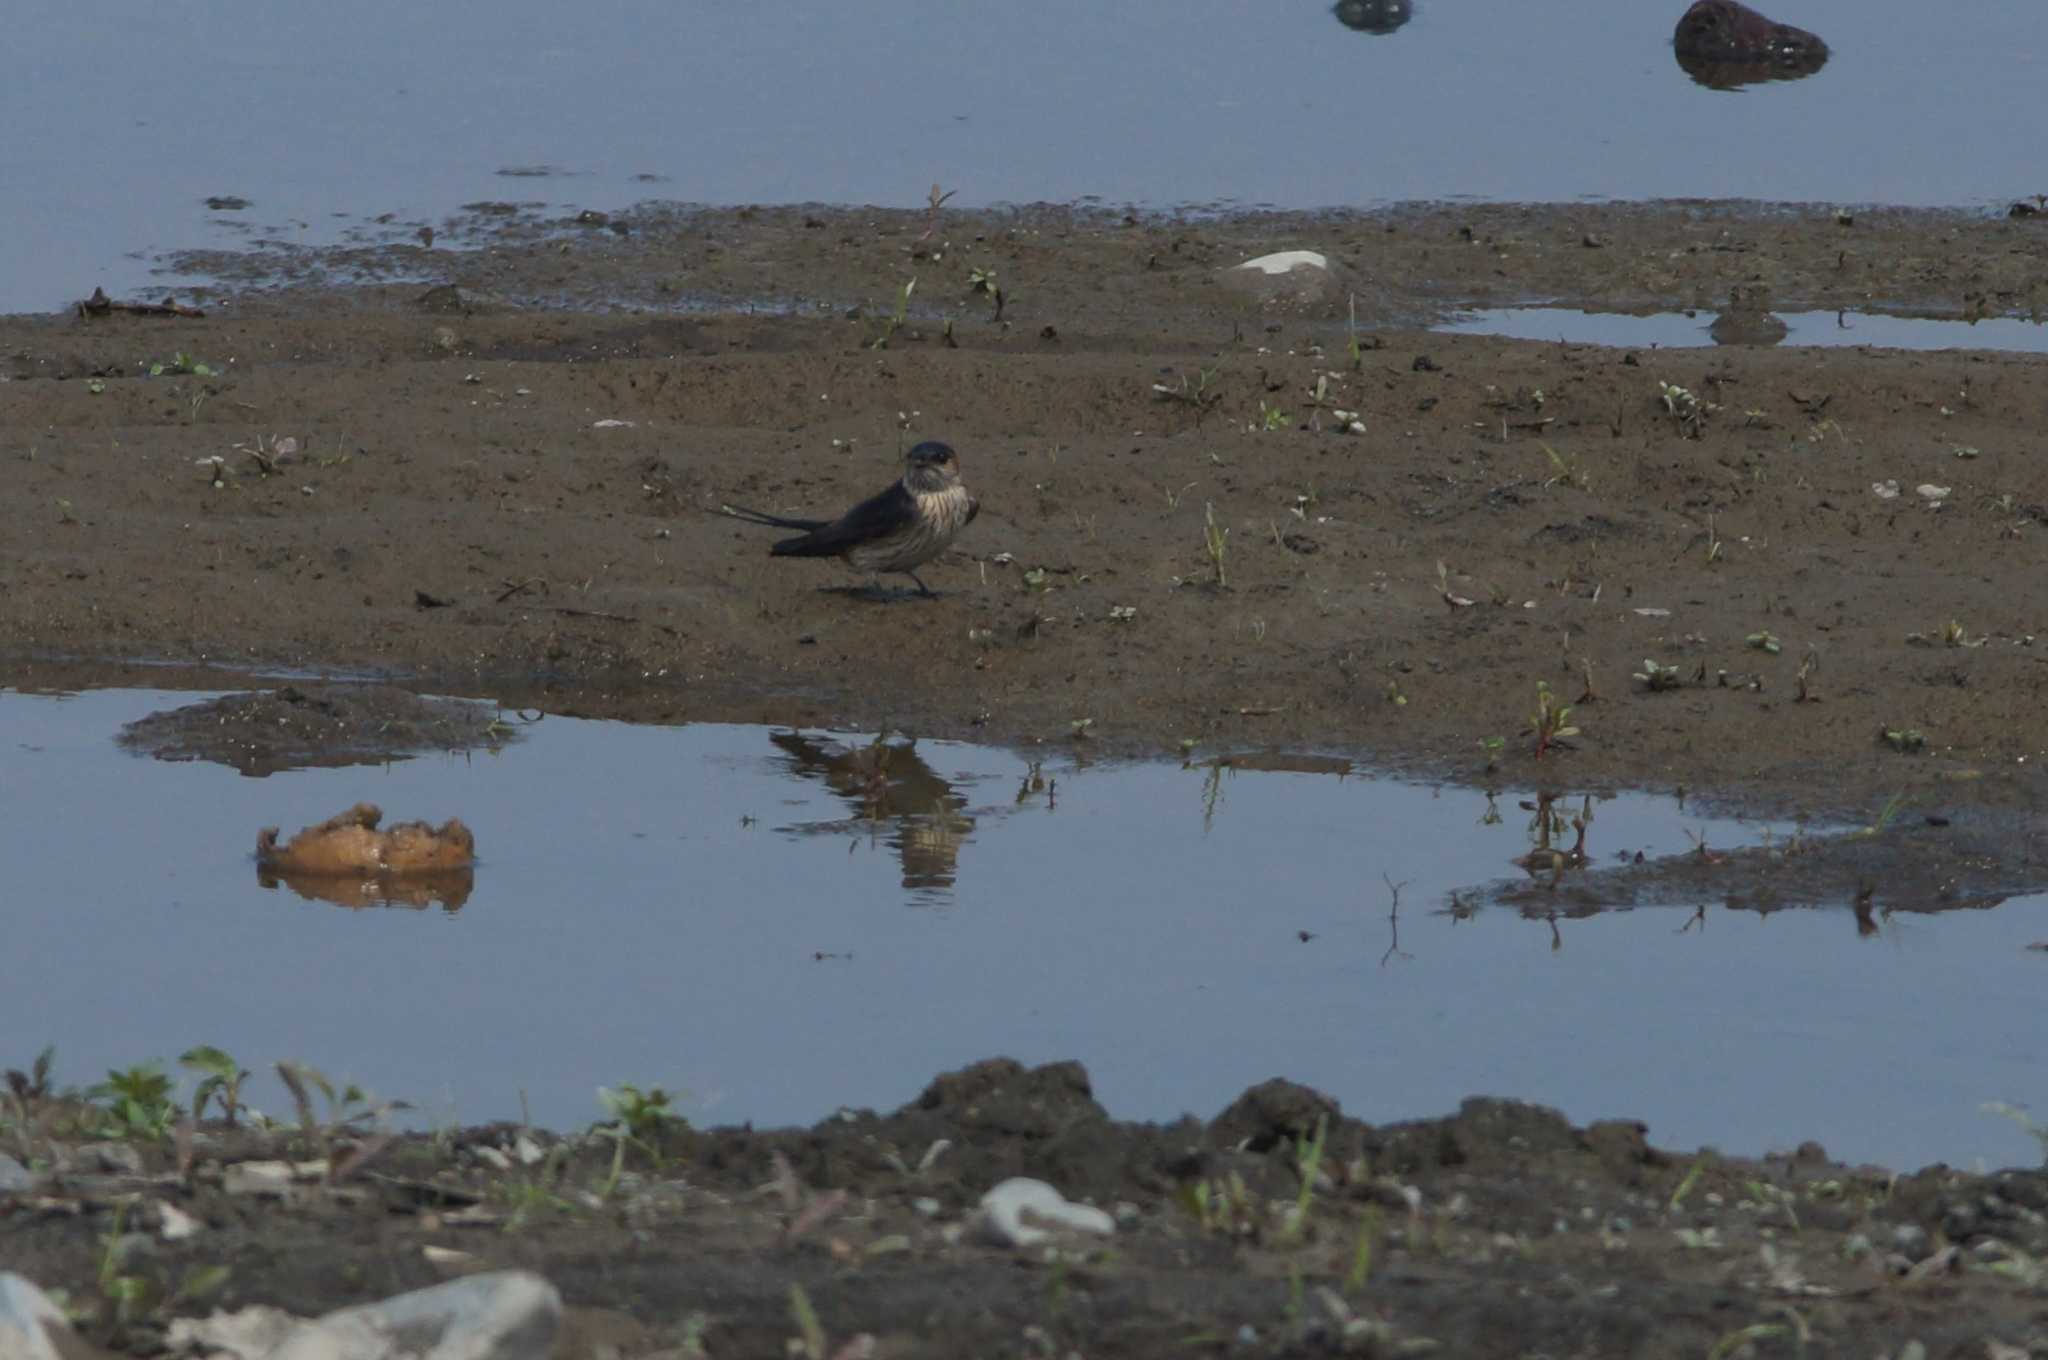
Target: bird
{"x": 898, "y": 529}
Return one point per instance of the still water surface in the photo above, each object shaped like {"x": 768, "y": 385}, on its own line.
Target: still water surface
{"x": 707, "y": 907}
{"x": 123, "y": 118}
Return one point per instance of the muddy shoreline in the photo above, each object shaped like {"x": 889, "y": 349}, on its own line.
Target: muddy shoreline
{"x": 499, "y": 478}
{"x": 1279, "y": 1227}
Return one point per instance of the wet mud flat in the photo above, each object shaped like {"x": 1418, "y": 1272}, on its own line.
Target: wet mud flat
{"x": 1279, "y": 1227}
{"x": 1785, "y": 578}
{"x": 518, "y": 497}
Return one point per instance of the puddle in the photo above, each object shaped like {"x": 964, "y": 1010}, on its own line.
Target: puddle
{"x": 780, "y": 923}
{"x": 324, "y": 122}
{"x": 1680, "y": 330}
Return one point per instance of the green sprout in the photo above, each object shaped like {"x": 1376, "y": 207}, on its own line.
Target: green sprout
{"x": 222, "y": 1082}
{"x": 1552, "y": 719}
{"x": 1656, "y": 677}
{"x": 1215, "y": 540}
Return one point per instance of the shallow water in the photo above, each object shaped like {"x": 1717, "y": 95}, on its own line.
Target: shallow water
{"x": 1678, "y": 330}
{"x": 708, "y": 907}
{"x": 126, "y": 117}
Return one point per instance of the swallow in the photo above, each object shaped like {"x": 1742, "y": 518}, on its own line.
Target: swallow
{"x": 898, "y": 529}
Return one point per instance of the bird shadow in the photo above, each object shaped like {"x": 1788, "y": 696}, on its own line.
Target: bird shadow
{"x": 876, "y": 594}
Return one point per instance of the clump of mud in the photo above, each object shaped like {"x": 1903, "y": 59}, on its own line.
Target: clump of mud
{"x": 295, "y": 727}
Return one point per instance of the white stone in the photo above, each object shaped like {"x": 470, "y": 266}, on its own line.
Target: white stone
{"x": 1020, "y": 1212}
{"x": 506, "y": 1315}
{"x": 174, "y": 1224}
{"x": 25, "y": 1313}
{"x": 1287, "y": 261}
{"x": 247, "y": 1334}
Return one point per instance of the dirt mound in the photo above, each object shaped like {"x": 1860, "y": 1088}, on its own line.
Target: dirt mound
{"x": 307, "y": 726}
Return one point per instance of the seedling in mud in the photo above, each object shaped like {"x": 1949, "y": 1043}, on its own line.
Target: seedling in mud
{"x": 1270, "y": 418}
{"x": 1552, "y": 720}
{"x": 1491, "y": 748}
{"x": 181, "y": 362}
{"x": 1906, "y": 740}
{"x": 1200, "y": 396}
{"x": 1308, "y": 1162}
{"x": 1222, "y": 1205}
{"x": 983, "y": 281}
{"x": 1215, "y": 542}
{"x": 641, "y": 1114}
{"x": 894, "y": 321}
{"x": 1763, "y": 641}
{"x": 1804, "y": 679}
{"x": 1361, "y": 1251}
{"x": 1687, "y": 411}
{"x": 137, "y": 1102}
{"x": 1587, "y": 695}
{"x": 349, "y": 1110}
{"x": 1655, "y": 677}
{"x": 222, "y": 1082}
{"x": 1565, "y": 470}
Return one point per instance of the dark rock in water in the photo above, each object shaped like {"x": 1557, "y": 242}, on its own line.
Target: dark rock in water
{"x": 1373, "y": 16}
{"x": 1722, "y": 44}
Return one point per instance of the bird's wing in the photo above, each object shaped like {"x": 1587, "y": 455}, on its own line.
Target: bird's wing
{"x": 883, "y": 513}
{"x": 973, "y": 509}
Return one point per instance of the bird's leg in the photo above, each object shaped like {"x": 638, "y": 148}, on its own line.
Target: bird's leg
{"x": 922, "y": 588}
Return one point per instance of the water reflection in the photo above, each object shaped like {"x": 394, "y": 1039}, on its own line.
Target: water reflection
{"x": 887, "y": 782}
{"x": 1748, "y": 319}
{"x": 1373, "y": 16}
{"x": 1724, "y": 45}
{"x": 448, "y": 889}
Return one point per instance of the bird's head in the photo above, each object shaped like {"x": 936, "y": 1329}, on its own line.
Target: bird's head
{"x": 933, "y": 465}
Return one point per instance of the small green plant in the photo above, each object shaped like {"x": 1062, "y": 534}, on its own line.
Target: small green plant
{"x": 1491, "y": 748}
{"x": 1308, "y": 1162}
{"x": 894, "y": 321}
{"x": 1361, "y": 1251}
{"x": 350, "y": 1110}
{"x": 2038, "y": 1132}
{"x": 983, "y": 281}
{"x": 181, "y": 362}
{"x": 222, "y": 1082}
{"x": 1905, "y": 740}
{"x": 1687, "y": 411}
{"x": 1763, "y": 641}
{"x": 1223, "y": 1205}
{"x": 1357, "y": 350}
{"x": 1270, "y": 418}
{"x": 1565, "y": 470}
{"x": 136, "y": 1102}
{"x": 1656, "y": 677}
{"x": 1686, "y": 1184}
{"x": 125, "y": 1294}
{"x": 1215, "y": 541}
{"x": 1201, "y": 395}
{"x": 643, "y": 1114}
{"x": 810, "y": 1332}
{"x": 33, "y": 1084}
{"x": 1552, "y": 720}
